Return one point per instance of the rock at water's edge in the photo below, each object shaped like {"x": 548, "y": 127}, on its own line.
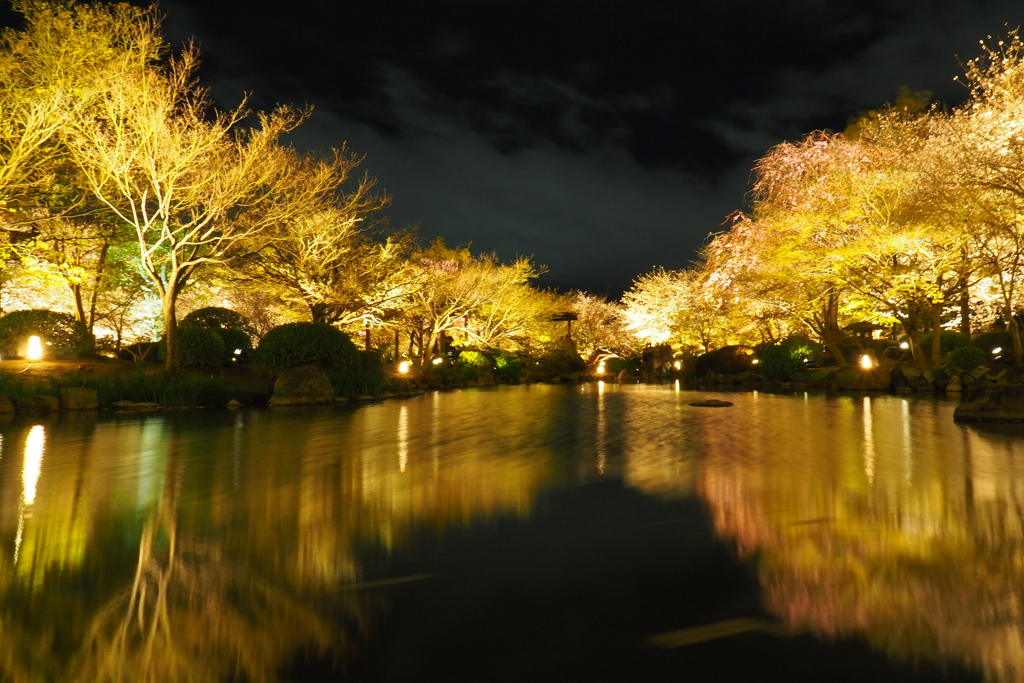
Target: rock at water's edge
{"x": 993, "y": 403}
{"x": 41, "y": 404}
{"x": 78, "y": 398}
{"x": 302, "y": 386}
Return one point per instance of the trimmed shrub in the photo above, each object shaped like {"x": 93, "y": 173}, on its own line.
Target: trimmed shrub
{"x": 997, "y": 339}
{"x": 199, "y": 347}
{"x": 216, "y": 318}
{"x": 728, "y": 360}
{"x": 62, "y": 335}
{"x": 295, "y": 344}
{"x": 473, "y": 358}
{"x": 508, "y": 368}
{"x": 947, "y": 342}
{"x": 236, "y": 331}
{"x": 779, "y": 362}
{"x": 967, "y": 357}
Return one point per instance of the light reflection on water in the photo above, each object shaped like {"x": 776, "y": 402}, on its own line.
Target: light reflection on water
{"x": 875, "y": 517}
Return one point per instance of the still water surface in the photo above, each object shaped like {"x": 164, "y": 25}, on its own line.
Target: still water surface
{"x": 522, "y": 533}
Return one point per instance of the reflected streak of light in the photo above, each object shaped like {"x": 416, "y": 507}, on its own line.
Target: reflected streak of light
{"x": 33, "y": 462}
{"x": 403, "y": 437}
{"x": 869, "y": 442}
{"x": 677, "y": 386}
{"x": 435, "y": 432}
{"x": 908, "y": 462}
{"x": 29, "y": 478}
{"x": 602, "y": 427}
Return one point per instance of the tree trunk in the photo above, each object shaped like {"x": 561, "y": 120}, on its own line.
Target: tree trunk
{"x": 830, "y": 330}
{"x": 1018, "y": 361}
{"x": 94, "y": 294}
{"x": 173, "y": 362}
{"x": 937, "y": 333}
{"x": 428, "y": 348}
{"x": 965, "y": 309}
{"x": 319, "y": 312}
{"x": 910, "y": 328}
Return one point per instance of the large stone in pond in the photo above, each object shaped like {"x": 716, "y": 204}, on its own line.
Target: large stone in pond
{"x": 993, "y": 403}
{"x": 78, "y": 398}
{"x": 38, "y": 404}
{"x": 302, "y": 386}
{"x": 711, "y": 403}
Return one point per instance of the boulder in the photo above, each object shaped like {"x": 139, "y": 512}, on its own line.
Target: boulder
{"x": 302, "y": 386}
{"x": 911, "y": 372}
{"x": 928, "y": 376}
{"x": 711, "y": 403}
{"x": 485, "y": 375}
{"x": 78, "y": 398}
{"x": 979, "y": 372}
{"x": 623, "y": 376}
{"x": 993, "y": 403}
{"x": 955, "y": 385}
{"x": 6, "y": 407}
{"x": 234, "y": 404}
{"x": 39, "y": 404}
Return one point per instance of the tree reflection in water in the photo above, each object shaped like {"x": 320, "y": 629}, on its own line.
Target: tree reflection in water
{"x": 166, "y": 548}
{"x": 884, "y": 520}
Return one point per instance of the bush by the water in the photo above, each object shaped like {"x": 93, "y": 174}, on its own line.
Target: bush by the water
{"x": 62, "y": 335}
{"x": 780, "y": 361}
{"x": 235, "y": 330}
{"x": 507, "y": 368}
{"x": 295, "y": 344}
{"x": 199, "y": 347}
{"x": 947, "y": 342}
{"x": 365, "y": 376}
{"x": 728, "y": 360}
{"x": 967, "y": 357}
{"x": 997, "y": 339}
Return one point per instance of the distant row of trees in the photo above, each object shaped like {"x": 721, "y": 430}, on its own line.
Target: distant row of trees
{"x": 913, "y": 219}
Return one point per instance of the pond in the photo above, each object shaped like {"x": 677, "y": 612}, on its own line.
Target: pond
{"x": 595, "y": 532}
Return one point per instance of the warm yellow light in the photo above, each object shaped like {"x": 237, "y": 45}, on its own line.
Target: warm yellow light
{"x": 998, "y": 349}
{"x": 35, "y": 348}
{"x": 866, "y": 362}
{"x": 437, "y": 361}
{"x": 600, "y": 368}
{"x": 904, "y": 345}
{"x": 33, "y": 462}
{"x": 755, "y": 361}
{"x": 403, "y": 367}
{"x": 678, "y": 364}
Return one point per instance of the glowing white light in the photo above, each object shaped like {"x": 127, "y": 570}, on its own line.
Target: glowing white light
{"x": 998, "y": 349}
{"x": 600, "y": 368}
{"x": 678, "y": 364}
{"x": 437, "y": 361}
{"x": 35, "y": 348}
{"x": 33, "y": 462}
{"x": 866, "y": 362}
{"x": 904, "y": 345}
{"x": 238, "y": 352}
{"x": 403, "y": 367}
{"x": 755, "y": 361}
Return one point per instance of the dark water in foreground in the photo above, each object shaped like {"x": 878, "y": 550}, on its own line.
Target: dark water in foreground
{"x": 595, "y": 533}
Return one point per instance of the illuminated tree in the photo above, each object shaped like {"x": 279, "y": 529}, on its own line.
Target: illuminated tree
{"x": 325, "y": 257}
{"x": 978, "y": 167}
{"x": 57, "y": 65}
{"x": 600, "y": 326}
{"x": 488, "y": 302}
{"x": 194, "y": 186}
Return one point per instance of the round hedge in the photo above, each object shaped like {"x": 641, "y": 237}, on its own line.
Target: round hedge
{"x": 63, "y": 336}
{"x": 294, "y": 344}
{"x": 216, "y": 318}
{"x": 947, "y": 342}
{"x": 967, "y": 357}
{"x": 199, "y": 347}
{"x": 989, "y": 341}
{"x": 235, "y": 330}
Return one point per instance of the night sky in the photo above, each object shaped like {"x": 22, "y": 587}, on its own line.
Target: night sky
{"x": 600, "y": 137}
